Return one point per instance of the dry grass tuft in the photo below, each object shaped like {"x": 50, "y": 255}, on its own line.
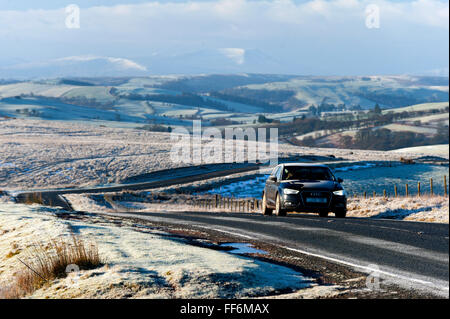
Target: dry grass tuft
{"x": 34, "y": 198}
{"x": 48, "y": 262}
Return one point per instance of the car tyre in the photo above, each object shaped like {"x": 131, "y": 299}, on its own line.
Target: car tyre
{"x": 265, "y": 209}
{"x": 323, "y": 213}
{"x": 278, "y": 210}
{"x": 340, "y": 213}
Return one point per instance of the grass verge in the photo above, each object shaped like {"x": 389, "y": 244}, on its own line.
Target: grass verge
{"x": 45, "y": 263}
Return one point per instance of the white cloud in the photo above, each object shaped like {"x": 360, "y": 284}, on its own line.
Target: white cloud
{"x": 428, "y": 12}
{"x": 139, "y": 30}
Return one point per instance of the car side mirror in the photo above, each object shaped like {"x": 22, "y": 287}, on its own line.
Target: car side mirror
{"x": 272, "y": 178}
{"x": 340, "y": 180}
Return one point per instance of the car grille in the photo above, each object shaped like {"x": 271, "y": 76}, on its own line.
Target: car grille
{"x": 315, "y": 195}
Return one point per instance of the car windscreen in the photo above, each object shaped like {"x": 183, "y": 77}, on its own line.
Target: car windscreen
{"x": 307, "y": 173}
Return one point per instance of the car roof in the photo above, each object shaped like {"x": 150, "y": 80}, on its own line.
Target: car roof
{"x": 305, "y": 165}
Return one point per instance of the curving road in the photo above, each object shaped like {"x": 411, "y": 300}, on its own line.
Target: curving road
{"x": 162, "y": 178}
{"x": 411, "y": 254}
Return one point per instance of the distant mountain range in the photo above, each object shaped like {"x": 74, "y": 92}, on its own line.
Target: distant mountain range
{"x": 74, "y": 66}
{"x": 225, "y": 60}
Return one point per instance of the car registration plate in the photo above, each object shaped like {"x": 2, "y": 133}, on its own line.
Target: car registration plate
{"x": 316, "y": 200}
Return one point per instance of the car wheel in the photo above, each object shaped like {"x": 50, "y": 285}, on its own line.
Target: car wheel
{"x": 265, "y": 210}
{"x": 323, "y": 213}
{"x": 278, "y": 210}
{"x": 341, "y": 213}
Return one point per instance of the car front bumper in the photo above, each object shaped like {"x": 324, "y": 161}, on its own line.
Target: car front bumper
{"x": 297, "y": 203}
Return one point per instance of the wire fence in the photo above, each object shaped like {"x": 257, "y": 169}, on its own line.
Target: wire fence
{"x": 408, "y": 190}
{"x": 233, "y": 204}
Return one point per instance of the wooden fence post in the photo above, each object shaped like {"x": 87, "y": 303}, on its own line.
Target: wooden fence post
{"x": 445, "y": 185}
{"x": 431, "y": 187}
{"x": 374, "y": 194}
{"x": 406, "y": 190}
{"x": 365, "y": 195}
{"x": 418, "y": 189}
{"x": 384, "y": 193}
{"x": 395, "y": 190}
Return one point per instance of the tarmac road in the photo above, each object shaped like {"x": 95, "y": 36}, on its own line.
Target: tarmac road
{"x": 414, "y": 255}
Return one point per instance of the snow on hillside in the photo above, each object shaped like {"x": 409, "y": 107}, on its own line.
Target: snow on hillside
{"x": 424, "y": 209}
{"x": 430, "y": 150}
{"x": 35, "y": 153}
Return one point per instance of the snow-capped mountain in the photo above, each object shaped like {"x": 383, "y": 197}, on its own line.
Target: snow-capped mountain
{"x": 75, "y": 66}
{"x": 222, "y": 60}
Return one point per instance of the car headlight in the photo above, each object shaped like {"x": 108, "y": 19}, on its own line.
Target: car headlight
{"x": 288, "y": 191}
{"x": 341, "y": 192}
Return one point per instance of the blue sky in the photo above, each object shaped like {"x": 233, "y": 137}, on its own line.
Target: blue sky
{"x": 319, "y": 37}
{"x": 54, "y": 4}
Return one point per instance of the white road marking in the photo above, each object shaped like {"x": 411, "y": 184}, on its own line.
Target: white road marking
{"x": 366, "y": 269}
{"x": 347, "y": 263}
{"x": 225, "y": 231}
{"x": 399, "y": 248}
{"x": 369, "y": 269}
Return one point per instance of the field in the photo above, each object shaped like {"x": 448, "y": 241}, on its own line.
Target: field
{"x": 410, "y": 128}
{"x": 435, "y": 119}
{"x": 38, "y": 154}
{"x": 437, "y": 150}
{"x": 177, "y": 100}
{"x": 428, "y": 125}
{"x": 50, "y": 90}
{"x": 363, "y": 91}
{"x": 100, "y": 94}
{"x": 420, "y": 107}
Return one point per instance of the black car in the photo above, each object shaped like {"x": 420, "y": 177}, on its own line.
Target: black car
{"x": 304, "y": 188}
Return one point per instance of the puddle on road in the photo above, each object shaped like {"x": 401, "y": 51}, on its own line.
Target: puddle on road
{"x": 243, "y": 248}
